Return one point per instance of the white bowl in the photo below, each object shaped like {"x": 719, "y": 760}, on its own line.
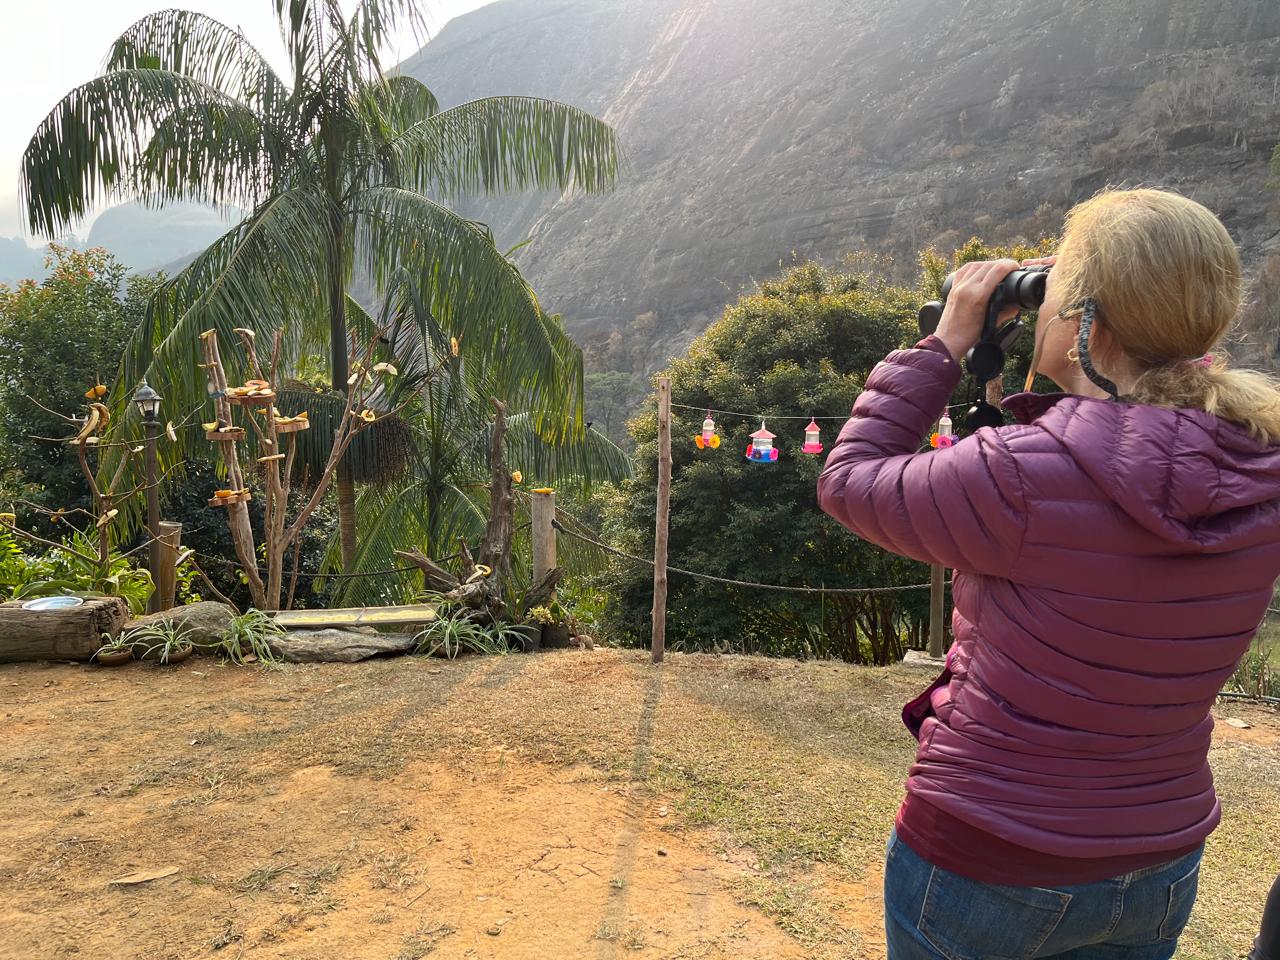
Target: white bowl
{"x": 52, "y": 603}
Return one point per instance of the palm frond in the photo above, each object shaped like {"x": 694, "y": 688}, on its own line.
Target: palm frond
{"x": 400, "y": 517}
{"x": 91, "y": 147}
{"x": 375, "y": 22}
{"x": 385, "y": 108}
{"x": 478, "y": 296}
{"x": 203, "y": 49}
{"x": 302, "y": 30}
{"x": 263, "y": 274}
{"x": 378, "y": 453}
{"x": 508, "y": 143}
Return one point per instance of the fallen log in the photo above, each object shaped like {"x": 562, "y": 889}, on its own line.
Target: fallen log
{"x": 71, "y": 634}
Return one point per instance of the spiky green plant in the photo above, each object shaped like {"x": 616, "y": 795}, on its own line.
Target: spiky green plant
{"x": 250, "y": 634}
{"x": 159, "y": 639}
{"x": 338, "y": 166}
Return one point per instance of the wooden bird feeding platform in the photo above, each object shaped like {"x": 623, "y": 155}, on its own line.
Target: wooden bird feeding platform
{"x": 254, "y": 400}
{"x": 236, "y": 433}
{"x": 244, "y": 496}
{"x": 401, "y": 616}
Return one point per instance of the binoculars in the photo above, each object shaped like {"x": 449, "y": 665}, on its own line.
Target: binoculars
{"x": 1024, "y": 289}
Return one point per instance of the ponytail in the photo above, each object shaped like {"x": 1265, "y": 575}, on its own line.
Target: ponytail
{"x": 1244, "y": 397}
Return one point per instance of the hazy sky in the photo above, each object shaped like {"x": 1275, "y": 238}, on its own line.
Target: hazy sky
{"x": 47, "y": 47}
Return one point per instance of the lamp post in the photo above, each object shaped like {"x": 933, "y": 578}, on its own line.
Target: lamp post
{"x": 148, "y": 402}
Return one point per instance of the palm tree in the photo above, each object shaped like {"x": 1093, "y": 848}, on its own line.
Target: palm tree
{"x": 440, "y": 495}
{"x": 340, "y": 169}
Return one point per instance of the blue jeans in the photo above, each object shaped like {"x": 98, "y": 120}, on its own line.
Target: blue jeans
{"x": 931, "y": 913}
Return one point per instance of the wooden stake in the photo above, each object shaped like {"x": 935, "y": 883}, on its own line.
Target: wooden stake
{"x": 937, "y": 608}
{"x": 544, "y": 534}
{"x": 167, "y": 578}
{"x": 663, "y": 516}
{"x": 938, "y": 577}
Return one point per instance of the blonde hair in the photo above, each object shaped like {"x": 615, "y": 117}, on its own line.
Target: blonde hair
{"x": 1167, "y": 280}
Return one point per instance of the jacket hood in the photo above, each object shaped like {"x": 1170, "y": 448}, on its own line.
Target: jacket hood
{"x": 1184, "y": 475}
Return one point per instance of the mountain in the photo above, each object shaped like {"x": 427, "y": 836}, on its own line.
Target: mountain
{"x": 19, "y": 261}
{"x": 760, "y": 130}
{"x": 144, "y": 238}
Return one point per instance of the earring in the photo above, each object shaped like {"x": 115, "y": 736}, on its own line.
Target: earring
{"x": 1073, "y": 355}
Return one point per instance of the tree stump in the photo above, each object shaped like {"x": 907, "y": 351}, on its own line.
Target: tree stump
{"x": 73, "y": 634}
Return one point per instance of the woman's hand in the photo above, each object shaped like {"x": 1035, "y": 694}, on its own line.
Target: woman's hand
{"x": 966, "y": 309}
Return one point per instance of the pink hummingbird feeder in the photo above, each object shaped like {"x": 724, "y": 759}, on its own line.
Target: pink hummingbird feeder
{"x": 762, "y": 449}
{"x": 708, "y": 439}
{"x": 812, "y": 438}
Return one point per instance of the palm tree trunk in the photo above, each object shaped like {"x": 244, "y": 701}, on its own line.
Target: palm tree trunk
{"x": 339, "y": 367}
{"x": 346, "y": 490}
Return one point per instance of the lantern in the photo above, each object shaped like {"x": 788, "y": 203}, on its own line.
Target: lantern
{"x": 148, "y": 401}
{"x": 708, "y": 438}
{"x": 812, "y": 443}
{"x": 761, "y": 449}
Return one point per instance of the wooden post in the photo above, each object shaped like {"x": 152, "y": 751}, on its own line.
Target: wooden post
{"x": 167, "y": 578}
{"x": 155, "y": 558}
{"x": 663, "y": 514}
{"x": 544, "y": 534}
{"x": 937, "y": 608}
{"x": 938, "y": 581}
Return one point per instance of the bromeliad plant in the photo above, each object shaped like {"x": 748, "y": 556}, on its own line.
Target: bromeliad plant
{"x": 250, "y": 635}
{"x": 164, "y": 641}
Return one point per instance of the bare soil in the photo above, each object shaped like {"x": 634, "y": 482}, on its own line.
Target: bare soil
{"x": 561, "y": 805}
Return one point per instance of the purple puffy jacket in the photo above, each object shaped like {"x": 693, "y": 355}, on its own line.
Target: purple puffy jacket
{"x": 1112, "y": 563}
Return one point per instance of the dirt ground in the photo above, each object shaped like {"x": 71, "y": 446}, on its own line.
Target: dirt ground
{"x": 553, "y": 806}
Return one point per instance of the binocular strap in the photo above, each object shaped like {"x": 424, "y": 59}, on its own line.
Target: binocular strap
{"x": 1090, "y": 310}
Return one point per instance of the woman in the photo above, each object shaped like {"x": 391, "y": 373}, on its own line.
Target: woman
{"x": 1267, "y": 944}
{"x": 1114, "y": 554}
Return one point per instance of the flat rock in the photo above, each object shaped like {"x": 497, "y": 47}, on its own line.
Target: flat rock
{"x": 338, "y": 646}
{"x": 919, "y": 658}
{"x": 207, "y": 620}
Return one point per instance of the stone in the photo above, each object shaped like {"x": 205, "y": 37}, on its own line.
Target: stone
{"x": 338, "y": 646}
{"x": 207, "y": 621}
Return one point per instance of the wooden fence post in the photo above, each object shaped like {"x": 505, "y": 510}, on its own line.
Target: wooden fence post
{"x": 663, "y": 513}
{"x": 544, "y": 533}
{"x": 938, "y": 581}
{"x": 937, "y": 609}
{"x": 167, "y": 578}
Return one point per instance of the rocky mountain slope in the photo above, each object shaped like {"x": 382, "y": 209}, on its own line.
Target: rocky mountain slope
{"x": 759, "y": 130}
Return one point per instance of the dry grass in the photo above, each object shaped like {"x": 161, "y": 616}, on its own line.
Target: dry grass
{"x": 787, "y": 773}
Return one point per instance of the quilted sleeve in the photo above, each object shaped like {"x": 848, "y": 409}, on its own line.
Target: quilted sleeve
{"x": 962, "y": 506}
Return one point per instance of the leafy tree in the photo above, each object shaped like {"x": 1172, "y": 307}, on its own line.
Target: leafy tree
{"x": 340, "y": 167}
{"x": 610, "y": 397}
{"x": 800, "y": 345}
{"x": 58, "y": 338}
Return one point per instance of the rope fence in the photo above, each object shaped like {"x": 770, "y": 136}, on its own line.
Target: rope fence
{"x": 712, "y": 578}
